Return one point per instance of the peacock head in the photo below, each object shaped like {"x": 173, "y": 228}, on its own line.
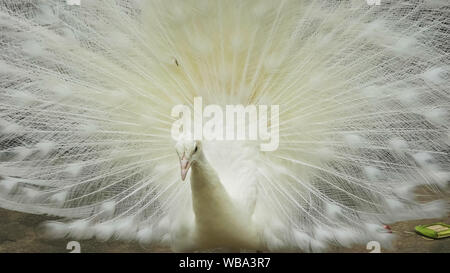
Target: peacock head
{"x": 188, "y": 151}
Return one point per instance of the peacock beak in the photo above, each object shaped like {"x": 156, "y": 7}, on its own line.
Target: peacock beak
{"x": 185, "y": 165}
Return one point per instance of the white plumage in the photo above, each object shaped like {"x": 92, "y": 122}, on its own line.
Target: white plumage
{"x": 86, "y": 94}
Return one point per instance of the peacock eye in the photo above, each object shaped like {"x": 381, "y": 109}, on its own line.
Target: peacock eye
{"x": 195, "y": 150}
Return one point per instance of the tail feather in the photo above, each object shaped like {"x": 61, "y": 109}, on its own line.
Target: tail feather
{"x": 86, "y": 94}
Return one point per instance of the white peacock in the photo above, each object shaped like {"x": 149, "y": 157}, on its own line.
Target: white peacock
{"x": 86, "y": 93}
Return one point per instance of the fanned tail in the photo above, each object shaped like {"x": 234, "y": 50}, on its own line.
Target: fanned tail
{"x": 86, "y": 94}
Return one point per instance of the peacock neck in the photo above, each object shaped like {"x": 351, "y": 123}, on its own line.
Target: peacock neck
{"x": 212, "y": 205}
{"x": 218, "y": 221}
{"x": 207, "y": 190}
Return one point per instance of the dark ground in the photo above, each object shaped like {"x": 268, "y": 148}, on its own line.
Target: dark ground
{"x": 20, "y": 232}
